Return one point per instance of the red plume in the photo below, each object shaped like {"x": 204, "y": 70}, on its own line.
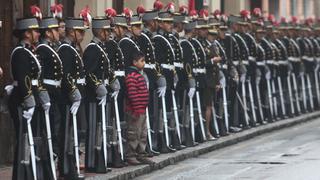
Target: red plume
{"x": 193, "y": 14}
{"x": 283, "y": 20}
{"x": 294, "y": 19}
{"x": 309, "y": 21}
{"x": 271, "y": 18}
{"x": 127, "y": 12}
{"x": 183, "y": 9}
{"x": 157, "y": 5}
{"x": 276, "y": 23}
{"x": 56, "y": 10}
{"x": 85, "y": 14}
{"x": 36, "y": 11}
{"x": 257, "y": 12}
{"x": 204, "y": 14}
{"x": 217, "y": 14}
{"x": 170, "y": 7}
{"x": 224, "y": 18}
{"x": 245, "y": 14}
{"x": 140, "y": 10}
{"x": 110, "y": 12}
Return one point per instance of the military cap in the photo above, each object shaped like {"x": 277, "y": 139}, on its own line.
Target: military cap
{"x": 75, "y": 23}
{"x": 135, "y": 20}
{"x": 268, "y": 24}
{"x": 28, "y": 23}
{"x": 191, "y": 25}
{"x": 165, "y": 16}
{"x": 202, "y": 23}
{"x": 101, "y": 23}
{"x": 236, "y": 19}
{"x": 213, "y": 21}
{"x": 179, "y": 18}
{"x": 120, "y": 20}
{"x": 48, "y": 23}
{"x": 150, "y": 15}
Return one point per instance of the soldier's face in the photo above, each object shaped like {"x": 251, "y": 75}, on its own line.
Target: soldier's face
{"x": 55, "y": 35}
{"x": 203, "y": 32}
{"x": 119, "y": 31}
{"x": 222, "y": 34}
{"x": 136, "y": 30}
{"x": 33, "y": 35}
{"x": 179, "y": 27}
{"x": 105, "y": 34}
{"x": 79, "y": 35}
{"x": 166, "y": 26}
{"x": 62, "y": 30}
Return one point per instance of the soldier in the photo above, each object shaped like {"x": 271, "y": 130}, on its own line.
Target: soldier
{"x": 165, "y": 56}
{"x": 190, "y": 59}
{"x": 97, "y": 68}
{"x": 117, "y": 90}
{"x": 73, "y": 82}
{"x": 235, "y": 22}
{"x": 25, "y": 96}
{"x": 52, "y": 75}
{"x": 221, "y": 126}
{"x": 231, "y": 48}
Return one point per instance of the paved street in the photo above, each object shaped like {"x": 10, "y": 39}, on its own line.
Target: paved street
{"x": 292, "y": 153}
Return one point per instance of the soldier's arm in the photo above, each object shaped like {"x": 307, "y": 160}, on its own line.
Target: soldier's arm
{"x": 91, "y": 63}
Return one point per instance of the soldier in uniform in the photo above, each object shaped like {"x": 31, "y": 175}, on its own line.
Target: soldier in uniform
{"x": 190, "y": 59}
{"x": 52, "y": 75}
{"x": 220, "y": 105}
{"x": 25, "y": 96}
{"x": 73, "y": 82}
{"x": 97, "y": 68}
{"x": 165, "y": 56}
{"x": 231, "y": 48}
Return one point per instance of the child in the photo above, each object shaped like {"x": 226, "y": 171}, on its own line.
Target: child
{"x": 136, "y": 104}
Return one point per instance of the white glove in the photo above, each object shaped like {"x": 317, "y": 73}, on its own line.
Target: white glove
{"x": 223, "y": 81}
{"x": 46, "y": 106}
{"x": 102, "y": 99}
{"x": 191, "y": 92}
{"x": 243, "y": 78}
{"x": 268, "y": 75}
{"x": 9, "y": 89}
{"x": 114, "y": 94}
{"x": 175, "y": 80}
{"x": 75, "y": 106}
{"x": 162, "y": 91}
{"x": 27, "y": 114}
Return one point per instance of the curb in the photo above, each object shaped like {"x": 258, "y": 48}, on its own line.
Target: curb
{"x": 164, "y": 160}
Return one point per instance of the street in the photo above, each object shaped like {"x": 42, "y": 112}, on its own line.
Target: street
{"x": 291, "y": 153}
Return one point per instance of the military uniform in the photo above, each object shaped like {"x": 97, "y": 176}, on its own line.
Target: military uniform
{"x": 97, "y": 68}
{"x": 73, "y": 83}
{"x": 25, "y": 70}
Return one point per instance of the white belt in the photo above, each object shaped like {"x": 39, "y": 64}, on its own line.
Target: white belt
{"x": 150, "y": 66}
{"x": 34, "y": 82}
{"x": 81, "y": 81}
{"x": 199, "y": 70}
{"x": 245, "y": 62}
{"x": 283, "y": 62}
{"x": 179, "y": 65}
{"x": 52, "y": 82}
{"x": 224, "y": 66}
{"x": 167, "y": 66}
{"x": 119, "y": 73}
{"x": 235, "y": 62}
{"x": 251, "y": 58}
{"x": 293, "y": 59}
{"x": 269, "y": 61}
{"x": 310, "y": 59}
{"x": 106, "y": 81}
{"x": 261, "y": 63}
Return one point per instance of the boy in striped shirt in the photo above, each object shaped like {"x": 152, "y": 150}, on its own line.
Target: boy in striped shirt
{"x": 136, "y": 103}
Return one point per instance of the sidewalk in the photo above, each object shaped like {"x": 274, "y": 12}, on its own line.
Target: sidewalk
{"x": 172, "y": 158}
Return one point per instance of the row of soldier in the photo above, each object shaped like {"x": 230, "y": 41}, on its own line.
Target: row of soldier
{"x": 207, "y": 76}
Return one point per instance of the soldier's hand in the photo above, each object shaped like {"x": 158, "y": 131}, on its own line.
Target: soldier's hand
{"x": 216, "y": 59}
{"x": 27, "y": 114}
{"x": 115, "y": 85}
{"x": 75, "y": 106}
{"x": 46, "y": 107}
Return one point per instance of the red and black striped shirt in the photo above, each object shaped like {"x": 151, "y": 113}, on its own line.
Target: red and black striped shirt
{"x": 137, "y": 92}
